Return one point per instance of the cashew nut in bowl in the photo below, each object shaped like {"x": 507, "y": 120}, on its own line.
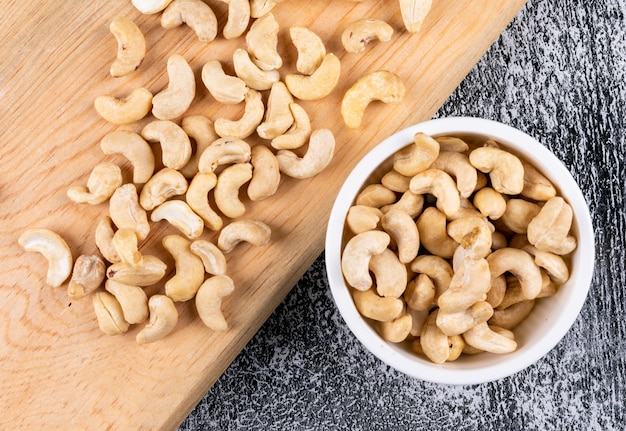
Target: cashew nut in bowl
{"x": 132, "y": 299}
{"x": 413, "y": 13}
{"x": 126, "y": 213}
{"x": 434, "y": 342}
{"x": 248, "y": 122}
{"x": 490, "y": 203}
{"x": 505, "y": 169}
{"x": 104, "y": 178}
{"x": 198, "y": 200}
{"x": 212, "y": 257}
{"x": 432, "y": 227}
{"x": 409, "y": 203}
{"x": 251, "y": 74}
{"x": 310, "y": 47}
{"x": 361, "y": 218}
{"x": 126, "y": 246}
{"x": 416, "y": 157}
{"x": 357, "y": 254}
{"x": 209, "y": 301}
{"x": 396, "y": 330}
{"x": 375, "y": 195}
{"x": 238, "y": 18}
{"x": 224, "y": 88}
{"x": 163, "y": 319}
{"x": 253, "y": 232}
{"x": 468, "y": 285}
{"x": 202, "y": 131}
{"x": 109, "y": 313}
{"x": 150, "y": 6}
{"x": 549, "y": 230}
{"x": 163, "y": 185}
{"x": 134, "y": 148}
{"x": 360, "y": 33}
{"x": 172, "y": 102}
{"x": 518, "y": 214}
{"x": 131, "y": 46}
{"x": 175, "y": 144}
{"x": 375, "y": 307}
{"x": 258, "y": 8}
{"x": 104, "y": 239}
{"x": 394, "y": 180}
{"x": 226, "y": 191}
{"x": 420, "y": 293}
{"x": 195, "y": 13}
{"x": 151, "y": 271}
{"x": 484, "y": 338}
{"x": 389, "y": 273}
{"x": 181, "y": 216}
{"x": 262, "y": 40}
{"x": 318, "y": 156}
{"x": 403, "y": 230}
{"x": 298, "y": 133}
{"x": 381, "y": 85}
{"x": 440, "y": 185}
{"x": 317, "y": 85}
{"x": 126, "y": 110}
{"x": 87, "y": 276}
{"x": 222, "y": 151}
{"x": 458, "y": 166}
{"x": 435, "y": 267}
{"x": 536, "y": 186}
{"x": 521, "y": 265}
{"x": 457, "y": 322}
{"x": 189, "y": 275}
{"x": 278, "y": 118}
{"x": 265, "y": 173}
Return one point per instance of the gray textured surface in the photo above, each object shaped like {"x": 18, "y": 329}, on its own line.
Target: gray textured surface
{"x": 558, "y": 73}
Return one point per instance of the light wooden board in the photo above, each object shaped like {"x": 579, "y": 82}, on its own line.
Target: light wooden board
{"x": 58, "y": 370}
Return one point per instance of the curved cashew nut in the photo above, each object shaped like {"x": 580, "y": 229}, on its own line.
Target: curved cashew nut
{"x": 131, "y": 46}
{"x": 514, "y": 293}
{"x": 209, "y": 301}
{"x": 104, "y": 239}
{"x": 265, "y": 173}
{"x": 395, "y": 181}
{"x": 403, "y": 230}
{"x": 536, "y": 186}
{"x": 440, "y": 185}
{"x": 420, "y": 293}
{"x": 262, "y": 40}
{"x": 125, "y": 243}
{"x": 222, "y": 151}
{"x": 109, "y": 313}
{"x": 358, "y": 34}
{"x": 253, "y": 232}
{"x": 375, "y": 307}
{"x": 172, "y": 102}
{"x": 175, "y": 144}
{"x": 278, "y": 118}
{"x": 474, "y": 235}
{"x": 505, "y": 169}
{"x": 357, "y": 255}
{"x": 381, "y": 85}
{"x": 396, "y": 330}
{"x": 417, "y": 321}
{"x": 151, "y": 271}
{"x": 311, "y": 49}
{"x": 452, "y": 143}
{"x": 163, "y": 185}
{"x": 198, "y": 201}
{"x": 298, "y": 133}
{"x": 512, "y": 316}
{"x": 132, "y": 299}
{"x": 189, "y": 274}
{"x": 432, "y": 227}
{"x": 248, "y": 122}
{"x": 124, "y": 110}
{"x": 413, "y": 13}
{"x": 389, "y": 273}
{"x": 134, "y": 148}
{"x": 251, "y": 74}
{"x": 490, "y": 203}
{"x": 437, "y": 268}
{"x": 258, "y": 8}
{"x": 521, "y": 265}
{"x": 87, "y": 276}
{"x": 319, "y": 84}
{"x": 497, "y": 291}
{"x": 484, "y": 338}
{"x": 434, "y": 342}
{"x": 469, "y": 284}
{"x": 212, "y": 257}
{"x": 224, "y": 88}
{"x": 126, "y": 213}
{"x": 458, "y": 166}
{"x": 163, "y": 319}
{"x": 549, "y": 229}
{"x": 181, "y": 216}
{"x": 104, "y": 178}
{"x": 317, "y": 157}
{"x": 52, "y": 247}
{"x": 518, "y": 214}
{"x": 202, "y": 131}
{"x": 409, "y": 202}
{"x": 375, "y": 195}
{"x": 361, "y": 218}
{"x": 238, "y": 18}
{"x": 195, "y": 13}
{"x": 553, "y": 264}
{"x": 416, "y": 157}
{"x": 226, "y": 191}
{"x": 457, "y": 322}
{"x": 150, "y": 6}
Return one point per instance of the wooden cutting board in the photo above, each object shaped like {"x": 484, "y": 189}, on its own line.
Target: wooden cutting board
{"x": 58, "y": 370}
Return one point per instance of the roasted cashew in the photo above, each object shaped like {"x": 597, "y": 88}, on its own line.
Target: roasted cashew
{"x": 505, "y": 169}
{"x": 536, "y": 186}
{"x": 409, "y": 202}
{"x": 381, "y": 85}
{"x": 150, "y": 6}
{"x": 132, "y": 299}
{"x": 452, "y": 143}
{"x": 420, "y": 293}
{"x": 124, "y": 110}
{"x": 87, "y": 276}
{"x": 458, "y": 166}
{"x": 553, "y": 264}
{"x": 254, "y": 232}
{"x": 497, "y": 291}
{"x": 549, "y": 229}
{"x": 278, "y": 118}
{"x": 440, "y": 185}
{"x": 104, "y": 237}
{"x": 298, "y": 133}
{"x": 265, "y": 173}
{"x": 261, "y": 42}
{"x": 212, "y": 257}
{"x": 395, "y": 181}
{"x": 258, "y": 8}
{"x": 484, "y": 338}
{"x": 437, "y": 268}
{"x": 403, "y": 230}
{"x": 163, "y": 185}
{"x": 473, "y": 233}
{"x": 457, "y": 322}
{"x": 360, "y": 33}
{"x": 374, "y": 307}
{"x": 434, "y": 342}
{"x": 134, "y": 148}
{"x": 198, "y": 199}
{"x": 318, "y": 156}
{"x": 131, "y": 46}
{"x": 109, "y": 313}
{"x": 104, "y": 178}
{"x": 357, "y": 254}
{"x": 226, "y": 192}
{"x": 251, "y": 74}
{"x": 490, "y": 203}
{"x": 189, "y": 274}
{"x": 469, "y": 284}
{"x": 432, "y": 227}
{"x": 375, "y": 195}
{"x": 396, "y": 330}
{"x": 174, "y": 101}
{"x": 175, "y": 144}
{"x": 224, "y": 88}
{"x": 181, "y": 216}
{"x": 514, "y": 293}
{"x": 518, "y": 213}
{"x": 238, "y": 18}
{"x": 319, "y": 84}
{"x": 311, "y": 49}
{"x": 389, "y": 273}
{"x": 413, "y": 13}
{"x": 150, "y": 272}
{"x": 163, "y": 319}
{"x": 416, "y": 157}
{"x": 361, "y": 218}
{"x": 248, "y": 122}
{"x": 202, "y": 131}
{"x": 126, "y": 213}
{"x": 209, "y": 301}
{"x": 512, "y": 316}
{"x": 223, "y": 151}
{"x": 521, "y": 265}
{"x": 417, "y": 321}
{"x": 195, "y": 13}
{"x": 126, "y": 246}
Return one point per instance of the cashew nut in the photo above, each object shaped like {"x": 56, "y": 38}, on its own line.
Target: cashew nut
{"x": 452, "y": 143}
{"x": 553, "y": 264}
{"x": 226, "y": 192}
{"x": 150, "y": 6}
{"x": 109, "y": 313}
{"x": 262, "y": 40}
{"x": 318, "y": 156}
{"x": 224, "y": 88}
{"x": 375, "y": 195}
{"x": 360, "y": 33}
{"x": 490, "y": 203}
{"x": 87, "y": 276}
{"x": 389, "y": 273}
{"x": 125, "y": 243}
{"x": 518, "y": 214}
{"x": 468, "y": 285}
{"x": 549, "y": 229}
{"x": 409, "y": 202}
{"x": 212, "y": 257}
{"x": 189, "y": 274}
{"x": 175, "y": 144}
{"x": 195, "y": 13}
{"x": 497, "y": 291}
{"x": 403, "y": 230}
{"x": 131, "y": 46}
{"x": 357, "y": 254}
{"x": 278, "y": 118}
{"x": 416, "y": 157}
{"x": 134, "y": 148}
{"x": 248, "y": 122}
{"x": 374, "y": 307}
{"x": 132, "y": 299}
{"x": 521, "y": 265}
{"x": 361, "y": 218}
{"x": 396, "y": 330}
{"x": 435, "y": 267}
{"x": 163, "y": 185}
{"x": 172, "y": 102}
{"x": 505, "y": 169}
{"x": 432, "y": 227}
{"x": 319, "y": 84}
{"x": 202, "y": 131}
{"x": 198, "y": 200}
{"x": 420, "y": 293}
{"x": 441, "y": 186}
{"x": 104, "y": 239}
{"x": 311, "y": 49}
{"x": 251, "y": 74}
{"x": 512, "y": 316}
{"x": 253, "y": 232}
{"x": 181, "y": 216}
{"x": 434, "y": 342}
{"x": 104, "y": 178}
{"x": 298, "y": 133}
{"x": 150, "y": 272}
{"x": 474, "y": 235}
{"x": 484, "y": 338}
{"x": 222, "y": 151}
{"x": 124, "y": 110}
{"x": 458, "y": 322}
{"x": 413, "y": 13}
{"x": 458, "y": 166}
{"x": 417, "y": 321}
{"x": 265, "y": 173}
{"x": 238, "y": 18}
{"x": 258, "y": 8}
{"x": 209, "y": 301}
{"x": 126, "y": 213}
{"x": 536, "y": 186}
{"x": 395, "y": 181}
{"x": 381, "y": 85}
{"x": 163, "y": 319}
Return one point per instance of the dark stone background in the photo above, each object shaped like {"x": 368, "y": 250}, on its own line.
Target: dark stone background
{"x": 557, "y": 72}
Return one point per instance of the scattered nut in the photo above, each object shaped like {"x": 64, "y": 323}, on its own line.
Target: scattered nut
{"x": 311, "y": 49}
{"x": 238, "y": 18}
{"x": 212, "y": 257}
{"x": 209, "y": 301}
{"x": 226, "y": 192}
{"x": 126, "y": 213}
{"x": 53, "y": 248}
{"x": 181, "y": 216}
{"x": 163, "y": 185}
{"x": 224, "y": 88}
{"x": 265, "y": 173}
{"x": 319, "y": 84}
{"x": 134, "y": 148}
{"x": 109, "y": 314}
{"x": 262, "y": 40}
{"x": 202, "y": 131}
{"x": 132, "y": 299}
{"x": 172, "y": 102}
{"x": 248, "y": 122}
{"x": 125, "y": 243}
{"x": 150, "y": 6}
{"x": 87, "y": 276}
{"x": 251, "y": 74}
{"x": 298, "y": 133}
{"x": 131, "y": 46}
{"x": 124, "y": 110}
{"x": 413, "y": 13}
{"x": 224, "y": 151}
{"x": 175, "y": 144}
{"x": 163, "y": 319}
{"x": 195, "y": 13}
{"x": 151, "y": 271}
{"x": 189, "y": 275}
{"x": 104, "y": 178}
{"x": 278, "y": 118}
{"x": 318, "y": 156}
{"x": 360, "y": 33}
{"x": 198, "y": 200}
{"x": 253, "y": 232}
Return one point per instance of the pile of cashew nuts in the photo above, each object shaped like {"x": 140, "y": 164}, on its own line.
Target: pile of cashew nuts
{"x": 454, "y": 246}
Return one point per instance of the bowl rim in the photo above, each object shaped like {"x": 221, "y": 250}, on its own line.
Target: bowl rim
{"x": 582, "y": 260}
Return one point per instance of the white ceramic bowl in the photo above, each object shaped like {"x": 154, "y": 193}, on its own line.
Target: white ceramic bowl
{"x": 550, "y": 319}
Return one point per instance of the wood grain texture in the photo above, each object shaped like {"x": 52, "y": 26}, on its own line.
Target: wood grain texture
{"x": 58, "y": 371}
